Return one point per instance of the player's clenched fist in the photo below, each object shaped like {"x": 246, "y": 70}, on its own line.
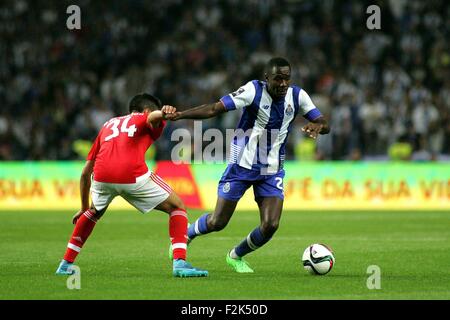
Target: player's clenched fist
{"x": 77, "y": 215}
{"x": 169, "y": 112}
{"x": 168, "y": 109}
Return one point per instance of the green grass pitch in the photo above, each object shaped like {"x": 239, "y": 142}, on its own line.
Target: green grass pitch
{"x": 126, "y": 257}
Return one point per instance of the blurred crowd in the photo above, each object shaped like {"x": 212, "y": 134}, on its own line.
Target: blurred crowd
{"x": 379, "y": 89}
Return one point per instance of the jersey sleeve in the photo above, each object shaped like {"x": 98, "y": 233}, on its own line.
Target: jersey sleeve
{"x": 95, "y": 148}
{"x": 241, "y": 98}
{"x": 307, "y": 107}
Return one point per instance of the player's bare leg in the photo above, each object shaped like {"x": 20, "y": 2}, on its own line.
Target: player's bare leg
{"x": 171, "y": 203}
{"x": 270, "y": 209}
{"x": 178, "y": 223}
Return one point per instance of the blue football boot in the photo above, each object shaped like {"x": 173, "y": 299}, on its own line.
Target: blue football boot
{"x": 65, "y": 268}
{"x": 184, "y": 269}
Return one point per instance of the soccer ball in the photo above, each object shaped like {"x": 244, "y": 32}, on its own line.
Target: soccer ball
{"x": 318, "y": 259}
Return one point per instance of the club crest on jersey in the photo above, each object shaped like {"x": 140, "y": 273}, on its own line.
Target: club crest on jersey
{"x": 226, "y": 187}
{"x": 289, "y": 110}
{"x": 238, "y": 92}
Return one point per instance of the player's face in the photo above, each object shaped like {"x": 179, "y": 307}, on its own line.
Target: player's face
{"x": 278, "y": 81}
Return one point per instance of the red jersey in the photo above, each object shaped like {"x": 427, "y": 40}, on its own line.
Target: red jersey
{"x": 119, "y": 149}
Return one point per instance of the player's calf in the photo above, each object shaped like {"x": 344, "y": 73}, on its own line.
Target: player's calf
{"x": 199, "y": 227}
{"x": 217, "y": 222}
{"x": 268, "y": 228}
{"x": 205, "y": 224}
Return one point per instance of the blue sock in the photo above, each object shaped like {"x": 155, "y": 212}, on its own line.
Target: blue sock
{"x": 253, "y": 241}
{"x": 198, "y": 227}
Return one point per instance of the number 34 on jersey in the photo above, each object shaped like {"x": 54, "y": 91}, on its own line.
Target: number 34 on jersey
{"x": 114, "y": 124}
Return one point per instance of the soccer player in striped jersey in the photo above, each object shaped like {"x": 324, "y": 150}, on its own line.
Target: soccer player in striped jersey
{"x": 256, "y": 157}
{"x": 117, "y": 161}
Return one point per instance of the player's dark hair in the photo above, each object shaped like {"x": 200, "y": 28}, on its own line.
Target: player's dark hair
{"x": 144, "y": 101}
{"x": 277, "y": 62}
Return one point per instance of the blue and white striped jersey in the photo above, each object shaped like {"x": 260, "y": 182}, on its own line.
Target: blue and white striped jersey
{"x": 260, "y": 139}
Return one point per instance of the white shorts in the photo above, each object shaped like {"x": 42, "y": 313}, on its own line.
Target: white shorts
{"x": 148, "y": 192}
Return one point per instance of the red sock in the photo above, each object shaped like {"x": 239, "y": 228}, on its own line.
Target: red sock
{"x": 83, "y": 228}
{"x": 178, "y": 222}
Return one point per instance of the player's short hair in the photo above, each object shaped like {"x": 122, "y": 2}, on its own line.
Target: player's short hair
{"x": 144, "y": 101}
{"x": 277, "y": 62}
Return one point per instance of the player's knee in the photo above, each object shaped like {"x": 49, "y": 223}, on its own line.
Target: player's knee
{"x": 176, "y": 203}
{"x": 171, "y": 204}
{"x": 180, "y": 205}
{"x": 97, "y": 213}
{"x": 176, "y": 206}
{"x": 268, "y": 228}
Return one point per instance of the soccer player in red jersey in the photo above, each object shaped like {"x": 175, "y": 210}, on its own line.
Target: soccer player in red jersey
{"x": 117, "y": 161}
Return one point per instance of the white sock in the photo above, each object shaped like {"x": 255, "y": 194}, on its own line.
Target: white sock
{"x": 233, "y": 254}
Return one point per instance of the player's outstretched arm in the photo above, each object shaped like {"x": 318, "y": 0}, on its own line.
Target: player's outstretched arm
{"x": 204, "y": 111}
{"x": 154, "y": 118}
{"x": 316, "y": 127}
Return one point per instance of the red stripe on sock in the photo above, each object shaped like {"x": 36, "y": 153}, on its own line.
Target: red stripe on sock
{"x": 90, "y": 216}
{"x": 179, "y": 212}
